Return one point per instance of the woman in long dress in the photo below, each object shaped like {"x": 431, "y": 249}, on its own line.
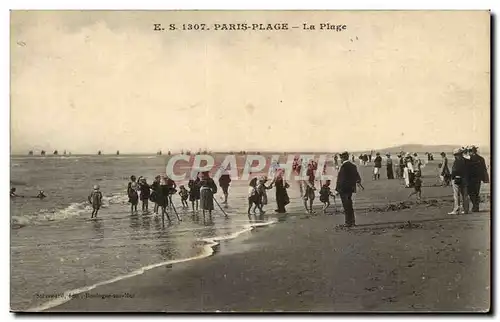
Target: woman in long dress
{"x": 162, "y": 197}
{"x": 390, "y": 173}
{"x": 282, "y": 198}
{"x": 207, "y": 191}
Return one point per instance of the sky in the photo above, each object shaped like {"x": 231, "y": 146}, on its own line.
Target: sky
{"x": 105, "y": 80}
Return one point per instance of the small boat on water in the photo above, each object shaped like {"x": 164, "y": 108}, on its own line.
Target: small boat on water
{"x": 42, "y": 153}
{"x": 30, "y": 153}
{"x": 118, "y": 152}
{"x": 99, "y": 152}
{"x": 55, "y": 152}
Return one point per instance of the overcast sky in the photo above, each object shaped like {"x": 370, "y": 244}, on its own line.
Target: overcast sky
{"x": 88, "y": 81}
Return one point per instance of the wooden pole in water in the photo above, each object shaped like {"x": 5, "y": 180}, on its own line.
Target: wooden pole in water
{"x": 220, "y": 207}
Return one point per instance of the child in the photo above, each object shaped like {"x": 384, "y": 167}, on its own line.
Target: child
{"x": 417, "y": 186}
{"x": 324, "y": 195}
{"x": 41, "y": 195}
{"x": 184, "y": 196}
{"x": 309, "y": 193}
{"x": 253, "y": 197}
{"x": 145, "y": 194}
{"x": 133, "y": 196}
{"x": 95, "y": 198}
{"x": 261, "y": 190}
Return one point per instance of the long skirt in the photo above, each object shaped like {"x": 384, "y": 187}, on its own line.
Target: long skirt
{"x": 206, "y": 199}
{"x": 390, "y": 173}
{"x": 406, "y": 176}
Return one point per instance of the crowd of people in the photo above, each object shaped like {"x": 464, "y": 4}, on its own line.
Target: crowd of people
{"x": 467, "y": 172}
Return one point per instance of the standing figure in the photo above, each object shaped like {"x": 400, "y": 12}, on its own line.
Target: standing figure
{"x": 95, "y": 198}
{"x": 388, "y": 165}
{"x": 145, "y": 194}
{"x": 194, "y": 192}
{"x": 459, "y": 177}
{"x": 224, "y": 182}
{"x": 377, "y": 166}
{"x": 281, "y": 186}
{"x": 324, "y": 195}
{"x": 417, "y": 163}
{"x": 133, "y": 196}
{"x": 347, "y": 179}
{"x": 478, "y": 172}
{"x": 207, "y": 190}
{"x": 445, "y": 174}
{"x": 401, "y": 164}
{"x": 162, "y": 197}
{"x": 184, "y": 196}
{"x": 262, "y": 190}
{"x": 155, "y": 187}
{"x": 417, "y": 186}
{"x": 253, "y": 197}
{"x": 309, "y": 192}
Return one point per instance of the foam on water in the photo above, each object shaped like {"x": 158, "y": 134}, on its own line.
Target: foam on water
{"x": 75, "y": 209}
{"x": 208, "y": 250}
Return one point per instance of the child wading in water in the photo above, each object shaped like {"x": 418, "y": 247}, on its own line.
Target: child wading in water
{"x": 254, "y": 197}
{"x": 417, "y": 186}
{"x": 133, "y": 196}
{"x": 145, "y": 194}
{"x": 184, "y": 196}
{"x": 324, "y": 196}
{"x": 261, "y": 190}
{"x": 95, "y": 198}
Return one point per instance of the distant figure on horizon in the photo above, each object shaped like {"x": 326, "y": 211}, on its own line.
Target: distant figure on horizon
{"x": 347, "y": 180}
{"x": 95, "y": 198}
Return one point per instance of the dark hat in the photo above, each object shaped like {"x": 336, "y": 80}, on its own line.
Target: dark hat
{"x": 344, "y": 154}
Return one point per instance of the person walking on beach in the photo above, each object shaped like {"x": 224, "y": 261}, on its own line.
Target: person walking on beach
{"x": 417, "y": 186}
{"x": 207, "y": 191}
{"x": 194, "y": 192}
{"x": 324, "y": 195}
{"x": 184, "y": 196}
{"x": 224, "y": 182}
{"x": 347, "y": 179}
{"x": 377, "y": 166}
{"x": 478, "y": 172}
{"x": 459, "y": 177}
{"x": 309, "y": 192}
{"x": 417, "y": 163}
{"x": 281, "y": 185}
{"x": 445, "y": 174}
{"x": 95, "y": 199}
{"x": 155, "y": 187}
{"x": 388, "y": 165}
{"x": 262, "y": 190}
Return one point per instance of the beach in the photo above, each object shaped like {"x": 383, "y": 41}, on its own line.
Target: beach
{"x": 61, "y": 261}
{"x": 436, "y": 263}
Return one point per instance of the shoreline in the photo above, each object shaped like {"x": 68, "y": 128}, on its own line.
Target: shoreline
{"x": 209, "y": 245}
{"x": 149, "y": 284}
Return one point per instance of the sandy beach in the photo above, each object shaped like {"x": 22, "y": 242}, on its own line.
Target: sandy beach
{"x": 416, "y": 259}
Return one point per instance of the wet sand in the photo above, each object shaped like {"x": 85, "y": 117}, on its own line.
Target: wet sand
{"x": 436, "y": 262}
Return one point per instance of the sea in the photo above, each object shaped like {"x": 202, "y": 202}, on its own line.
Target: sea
{"x": 57, "y": 251}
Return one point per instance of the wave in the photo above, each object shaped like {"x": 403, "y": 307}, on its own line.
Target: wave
{"x": 208, "y": 250}
{"x": 76, "y": 209}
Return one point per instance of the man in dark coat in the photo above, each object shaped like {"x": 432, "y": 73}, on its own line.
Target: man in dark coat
{"x": 478, "y": 172}
{"x": 347, "y": 179}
